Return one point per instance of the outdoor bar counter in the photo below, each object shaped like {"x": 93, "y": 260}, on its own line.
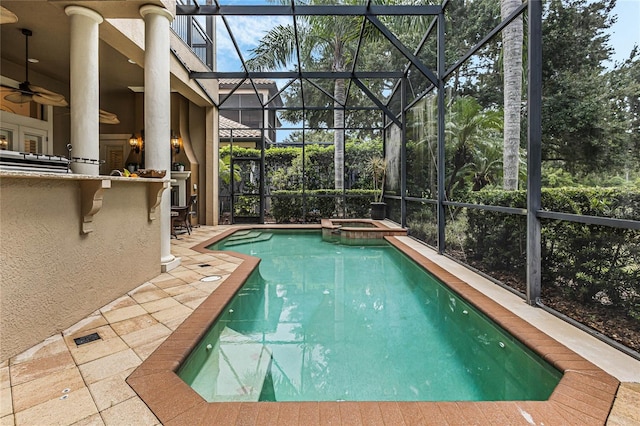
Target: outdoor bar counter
{"x": 71, "y": 244}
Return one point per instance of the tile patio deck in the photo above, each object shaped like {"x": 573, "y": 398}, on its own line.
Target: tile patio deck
{"x": 57, "y": 382}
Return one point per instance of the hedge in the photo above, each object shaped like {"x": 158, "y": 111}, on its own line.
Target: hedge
{"x": 283, "y": 165}
{"x": 593, "y": 264}
{"x": 287, "y": 206}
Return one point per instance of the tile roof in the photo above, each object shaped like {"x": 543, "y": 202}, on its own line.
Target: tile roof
{"x": 257, "y": 82}
{"x": 239, "y": 130}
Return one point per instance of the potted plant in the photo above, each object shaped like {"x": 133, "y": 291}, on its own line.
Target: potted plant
{"x": 377, "y": 167}
{"x": 178, "y": 167}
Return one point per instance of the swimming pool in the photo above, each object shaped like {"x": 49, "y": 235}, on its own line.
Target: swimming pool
{"x": 330, "y": 322}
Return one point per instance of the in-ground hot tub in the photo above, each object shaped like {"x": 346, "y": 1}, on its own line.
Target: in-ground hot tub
{"x": 357, "y": 231}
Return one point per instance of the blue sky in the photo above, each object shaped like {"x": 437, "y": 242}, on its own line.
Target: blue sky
{"x": 248, "y": 31}
{"x": 626, "y": 31}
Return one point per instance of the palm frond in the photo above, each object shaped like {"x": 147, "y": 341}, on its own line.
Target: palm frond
{"x": 277, "y": 49}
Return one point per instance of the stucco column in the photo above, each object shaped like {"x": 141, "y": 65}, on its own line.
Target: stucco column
{"x": 84, "y": 87}
{"x": 157, "y": 113}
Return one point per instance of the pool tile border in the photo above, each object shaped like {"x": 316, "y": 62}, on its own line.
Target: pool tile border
{"x": 584, "y": 395}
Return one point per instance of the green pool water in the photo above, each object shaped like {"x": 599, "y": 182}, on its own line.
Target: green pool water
{"x": 325, "y": 322}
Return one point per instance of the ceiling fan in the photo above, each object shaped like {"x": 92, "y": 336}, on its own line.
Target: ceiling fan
{"x": 28, "y": 92}
{"x": 106, "y": 117}
{"x": 7, "y": 16}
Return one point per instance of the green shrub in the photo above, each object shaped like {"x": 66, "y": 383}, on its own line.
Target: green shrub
{"x": 359, "y": 203}
{"x": 422, "y": 222}
{"x": 498, "y": 241}
{"x": 287, "y": 206}
{"x": 593, "y": 264}
{"x": 284, "y": 165}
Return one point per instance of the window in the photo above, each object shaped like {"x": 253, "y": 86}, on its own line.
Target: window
{"x": 25, "y": 134}
{"x": 34, "y": 141}
{"x": 9, "y": 133}
{"x": 244, "y": 109}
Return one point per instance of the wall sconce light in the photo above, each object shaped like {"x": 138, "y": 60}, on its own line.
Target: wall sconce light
{"x": 133, "y": 142}
{"x": 175, "y": 144}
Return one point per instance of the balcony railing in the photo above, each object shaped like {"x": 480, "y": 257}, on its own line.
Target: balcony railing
{"x": 191, "y": 31}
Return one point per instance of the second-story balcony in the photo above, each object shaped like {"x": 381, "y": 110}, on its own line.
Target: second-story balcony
{"x": 197, "y": 32}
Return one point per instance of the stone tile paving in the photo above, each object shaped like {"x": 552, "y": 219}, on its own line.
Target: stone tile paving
{"x": 58, "y": 382}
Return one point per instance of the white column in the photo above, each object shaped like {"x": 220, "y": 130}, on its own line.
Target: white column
{"x": 157, "y": 113}
{"x": 84, "y": 87}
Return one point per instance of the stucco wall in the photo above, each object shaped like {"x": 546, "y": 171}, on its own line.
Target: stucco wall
{"x": 52, "y": 275}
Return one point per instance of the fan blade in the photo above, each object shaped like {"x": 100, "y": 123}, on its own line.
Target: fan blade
{"x": 47, "y": 97}
{"x": 7, "y": 16}
{"x": 18, "y": 97}
{"x": 44, "y": 99}
{"x": 46, "y": 92}
{"x": 107, "y": 117}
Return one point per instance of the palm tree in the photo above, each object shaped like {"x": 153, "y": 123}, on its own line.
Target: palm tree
{"x": 377, "y": 167}
{"x": 322, "y": 40}
{"x": 512, "y": 37}
{"x": 467, "y": 129}
{"x": 224, "y": 166}
{"x": 486, "y": 164}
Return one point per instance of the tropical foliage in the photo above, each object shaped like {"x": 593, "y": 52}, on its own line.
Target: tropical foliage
{"x": 224, "y": 166}
{"x": 377, "y": 167}
{"x": 291, "y": 168}
{"x": 470, "y": 150}
{"x": 326, "y": 43}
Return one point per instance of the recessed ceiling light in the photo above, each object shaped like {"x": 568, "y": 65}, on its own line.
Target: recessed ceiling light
{"x": 33, "y": 60}
{"x": 131, "y": 61}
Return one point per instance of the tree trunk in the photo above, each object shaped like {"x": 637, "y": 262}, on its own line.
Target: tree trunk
{"x": 512, "y": 37}
{"x": 338, "y": 111}
{"x": 338, "y": 133}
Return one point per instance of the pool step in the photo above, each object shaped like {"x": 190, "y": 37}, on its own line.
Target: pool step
{"x": 252, "y": 237}
{"x": 242, "y": 366}
{"x": 242, "y": 235}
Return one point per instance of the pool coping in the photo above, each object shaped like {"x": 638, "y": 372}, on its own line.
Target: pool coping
{"x": 584, "y": 395}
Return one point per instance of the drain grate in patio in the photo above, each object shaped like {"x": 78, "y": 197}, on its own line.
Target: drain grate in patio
{"x": 87, "y": 339}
